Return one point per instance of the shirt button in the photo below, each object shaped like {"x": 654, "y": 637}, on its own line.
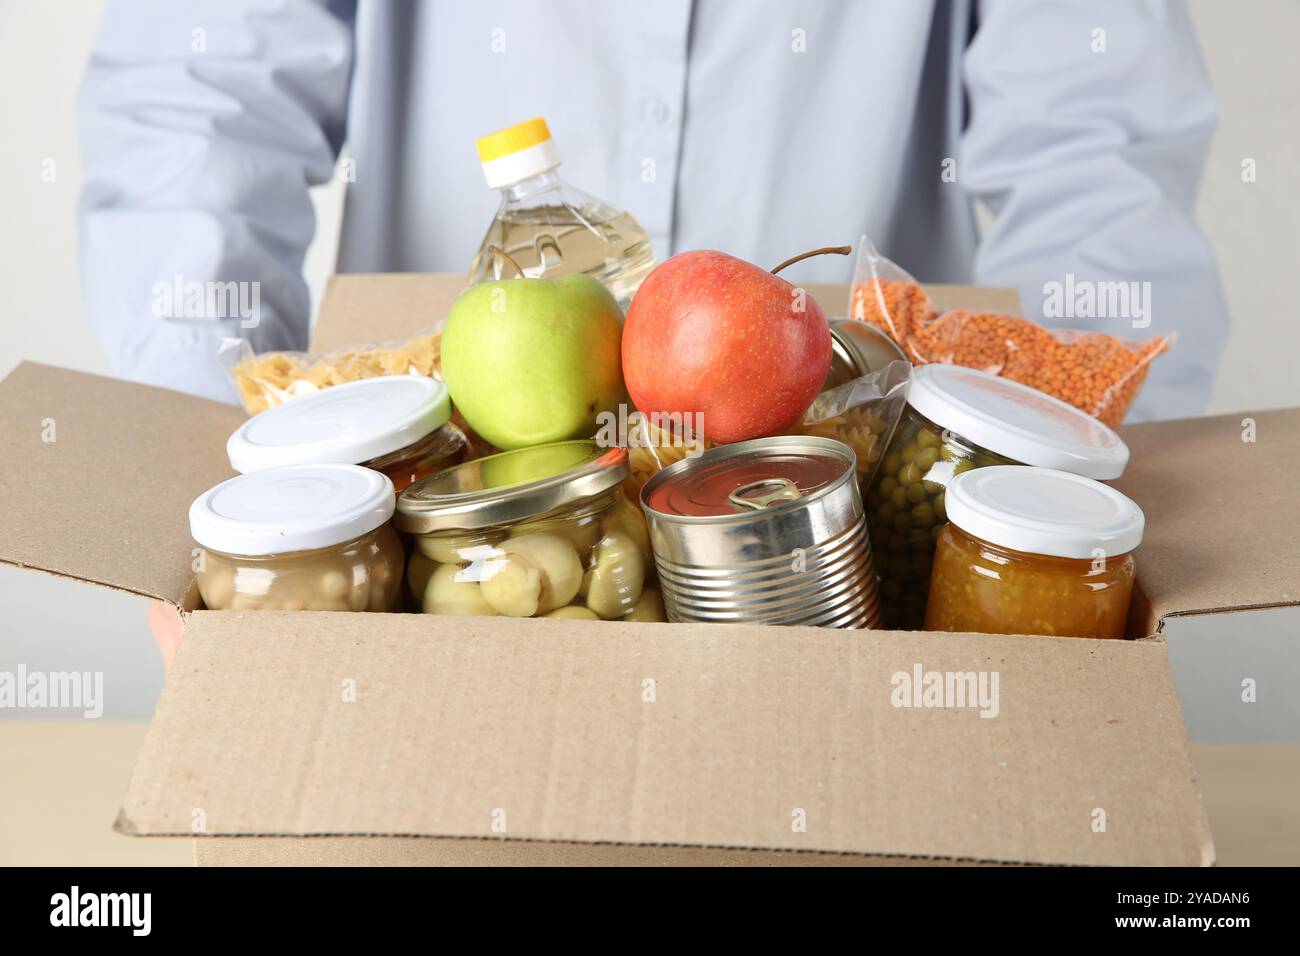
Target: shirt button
{"x": 656, "y": 111}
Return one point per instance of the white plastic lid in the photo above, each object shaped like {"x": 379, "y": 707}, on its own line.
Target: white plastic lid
{"x": 1016, "y": 421}
{"x": 293, "y": 508}
{"x": 347, "y": 424}
{"x": 1044, "y": 511}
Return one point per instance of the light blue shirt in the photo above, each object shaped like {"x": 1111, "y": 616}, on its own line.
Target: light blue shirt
{"x": 762, "y": 128}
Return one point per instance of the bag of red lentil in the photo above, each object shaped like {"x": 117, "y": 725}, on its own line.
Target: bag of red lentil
{"x": 1093, "y": 371}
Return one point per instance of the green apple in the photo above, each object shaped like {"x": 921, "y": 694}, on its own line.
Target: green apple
{"x": 523, "y": 466}
{"x": 529, "y": 361}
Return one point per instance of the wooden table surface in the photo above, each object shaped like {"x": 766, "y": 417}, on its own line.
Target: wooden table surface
{"x": 64, "y": 780}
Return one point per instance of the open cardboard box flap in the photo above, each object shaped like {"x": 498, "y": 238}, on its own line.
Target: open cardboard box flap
{"x": 97, "y": 476}
{"x": 308, "y": 723}
{"x": 1221, "y": 514}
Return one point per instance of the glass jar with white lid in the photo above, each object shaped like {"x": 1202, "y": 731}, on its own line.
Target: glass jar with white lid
{"x": 298, "y": 538}
{"x": 1034, "y": 551}
{"x": 958, "y": 419}
{"x": 396, "y": 424}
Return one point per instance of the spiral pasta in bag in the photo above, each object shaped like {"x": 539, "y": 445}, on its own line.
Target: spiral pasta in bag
{"x": 862, "y": 414}
{"x": 272, "y": 378}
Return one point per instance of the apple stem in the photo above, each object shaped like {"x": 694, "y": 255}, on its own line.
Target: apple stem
{"x": 501, "y": 253}
{"x": 823, "y": 251}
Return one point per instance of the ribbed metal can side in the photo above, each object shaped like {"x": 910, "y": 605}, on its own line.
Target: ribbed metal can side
{"x": 831, "y": 584}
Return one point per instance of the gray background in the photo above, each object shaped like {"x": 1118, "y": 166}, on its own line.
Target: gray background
{"x": 50, "y": 624}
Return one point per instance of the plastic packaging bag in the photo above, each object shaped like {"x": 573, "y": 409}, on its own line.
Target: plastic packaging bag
{"x": 653, "y": 443}
{"x": 861, "y": 413}
{"x": 1098, "y": 373}
{"x": 272, "y": 378}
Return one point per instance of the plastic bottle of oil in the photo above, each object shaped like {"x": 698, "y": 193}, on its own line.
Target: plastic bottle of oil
{"x": 550, "y": 228}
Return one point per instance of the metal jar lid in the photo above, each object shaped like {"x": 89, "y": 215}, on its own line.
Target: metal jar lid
{"x": 510, "y": 486}
{"x": 858, "y": 349}
{"x": 732, "y": 482}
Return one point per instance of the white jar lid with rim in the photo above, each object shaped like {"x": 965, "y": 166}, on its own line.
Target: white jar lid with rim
{"x": 291, "y": 508}
{"x": 1044, "y": 511}
{"x": 347, "y": 424}
{"x": 1016, "y": 421}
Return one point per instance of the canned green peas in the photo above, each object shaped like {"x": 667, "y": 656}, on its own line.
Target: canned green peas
{"x": 905, "y": 511}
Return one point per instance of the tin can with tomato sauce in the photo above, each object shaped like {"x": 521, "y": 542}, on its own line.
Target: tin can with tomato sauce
{"x": 399, "y": 425}
{"x": 1034, "y": 551}
{"x": 768, "y": 531}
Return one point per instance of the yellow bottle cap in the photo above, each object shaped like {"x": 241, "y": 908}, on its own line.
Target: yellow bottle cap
{"x": 512, "y": 139}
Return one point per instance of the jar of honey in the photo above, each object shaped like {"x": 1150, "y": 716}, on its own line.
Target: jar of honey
{"x": 1034, "y": 551}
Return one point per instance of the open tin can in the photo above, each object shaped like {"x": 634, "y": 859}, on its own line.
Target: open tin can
{"x": 769, "y": 531}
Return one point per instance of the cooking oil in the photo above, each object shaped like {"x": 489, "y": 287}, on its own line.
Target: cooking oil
{"x": 608, "y": 245}
{"x": 548, "y": 227}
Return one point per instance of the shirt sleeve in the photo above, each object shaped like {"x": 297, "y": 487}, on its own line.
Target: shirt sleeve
{"x": 202, "y": 127}
{"x": 1087, "y": 129}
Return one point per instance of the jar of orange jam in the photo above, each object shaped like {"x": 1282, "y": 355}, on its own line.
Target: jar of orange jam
{"x": 396, "y": 424}
{"x": 1034, "y": 551}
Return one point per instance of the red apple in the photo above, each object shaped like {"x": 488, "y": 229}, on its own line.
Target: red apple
{"x": 712, "y": 334}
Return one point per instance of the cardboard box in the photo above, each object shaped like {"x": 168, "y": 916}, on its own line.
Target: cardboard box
{"x": 402, "y": 738}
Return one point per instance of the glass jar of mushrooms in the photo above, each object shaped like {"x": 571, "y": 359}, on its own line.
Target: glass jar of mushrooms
{"x": 535, "y": 532}
{"x": 298, "y": 538}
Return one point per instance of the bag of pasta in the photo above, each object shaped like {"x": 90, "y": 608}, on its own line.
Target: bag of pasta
{"x": 272, "y": 378}
{"x": 654, "y": 442}
{"x": 862, "y": 414}
{"x": 1093, "y": 371}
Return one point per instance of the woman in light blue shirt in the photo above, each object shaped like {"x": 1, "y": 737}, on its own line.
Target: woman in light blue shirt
{"x": 761, "y": 128}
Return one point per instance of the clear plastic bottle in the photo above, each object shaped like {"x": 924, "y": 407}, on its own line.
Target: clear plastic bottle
{"x": 549, "y": 227}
